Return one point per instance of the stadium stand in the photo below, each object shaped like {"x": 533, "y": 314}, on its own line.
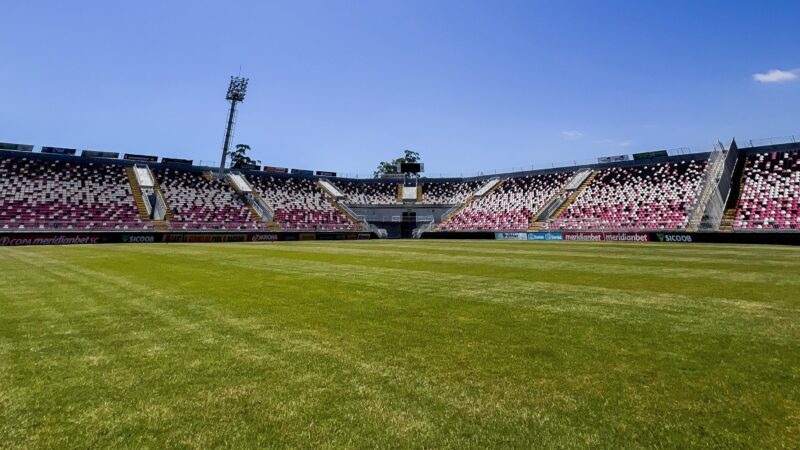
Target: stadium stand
{"x": 770, "y": 192}
{"x": 448, "y": 193}
{"x": 299, "y": 204}
{"x": 647, "y": 197}
{"x": 380, "y": 193}
{"x": 63, "y": 192}
{"x": 66, "y": 195}
{"x": 199, "y": 202}
{"x": 509, "y": 206}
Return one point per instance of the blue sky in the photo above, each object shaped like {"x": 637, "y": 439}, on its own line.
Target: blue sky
{"x": 341, "y": 85}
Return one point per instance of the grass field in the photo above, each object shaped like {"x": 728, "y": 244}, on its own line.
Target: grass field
{"x": 400, "y": 344}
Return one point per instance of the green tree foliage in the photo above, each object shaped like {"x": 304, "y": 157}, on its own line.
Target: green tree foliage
{"x": 387, "y": 167}
{"x": 239, "y": 156}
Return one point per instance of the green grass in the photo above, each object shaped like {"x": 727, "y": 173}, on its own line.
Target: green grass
{"x": 400, "y": 344}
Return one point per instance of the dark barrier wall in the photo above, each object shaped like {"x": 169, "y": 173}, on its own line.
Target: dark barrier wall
{"x": 459, "y": 235}
{"x": 597, "y": 236}
{"x": 73, "y": 238}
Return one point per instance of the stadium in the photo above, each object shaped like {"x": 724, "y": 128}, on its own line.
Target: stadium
{"x": 635, "y": 298}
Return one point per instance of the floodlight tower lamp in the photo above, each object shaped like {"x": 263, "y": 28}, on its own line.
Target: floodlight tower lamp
{"x": 236, "y": 92}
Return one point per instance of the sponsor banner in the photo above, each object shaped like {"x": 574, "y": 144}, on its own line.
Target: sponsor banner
{"x": 571, "y": 236}
{"x": 546, "y": 236}
{"x": 270, "y": 169}
{"x": 13, "y": 240}
{"x": 323, "y": 173}
{"x": 671, "y": 237}
{"x": 627, "y": 237}
{"x": 177, "y": 161}
{"x": 364, "y": 236}
{"x": 302, "y": 172}
{"x": 265, "y": 237}
{"x": 245, "y": 166}
{"x": 597, "y": 236}
{"x": 616, "y": 158}
{"x": 59, "y": 150}
{"x": 16, "y": 147}
{"x": 143, "y": 158}
{"x": 96, "y": 154}
{"x": 650, "y": 155}
{"x": 511, "y": 236}
{"x": 307, "y": 237}
{"x": 139, "y": 238}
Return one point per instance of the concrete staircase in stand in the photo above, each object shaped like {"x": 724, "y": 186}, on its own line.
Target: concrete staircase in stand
{"x": 472, "y": 198}
{"x": 574, "y": 196}
{"x": 137, "y": 195}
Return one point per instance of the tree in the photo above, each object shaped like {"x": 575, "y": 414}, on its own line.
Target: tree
{"x": 385, "y": 167}
{"x": 239, "y": 156}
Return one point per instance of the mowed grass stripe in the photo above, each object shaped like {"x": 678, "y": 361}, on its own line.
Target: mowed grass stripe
{"x": 632, "y": 277}
{"x": 257, "y": 345}
{"x": 208, "y": 325}
{"x": 618, "y": 265}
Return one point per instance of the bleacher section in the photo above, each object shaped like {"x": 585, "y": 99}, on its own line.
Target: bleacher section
{"x": 448, "y": 193}
{"x": 299, "y": 204}
{"x": 650, "y": 197}
{"x": 66, "y": 195}
{"x": 199, "y": 202}
{"x": 42, "y": 192}
{"x": 770, "y": 192}
{"x": 510, "y": 206}
{"x": 373, "y": 193}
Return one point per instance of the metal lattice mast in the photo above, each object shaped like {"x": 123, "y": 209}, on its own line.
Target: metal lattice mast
{"x": 236, "y": 92}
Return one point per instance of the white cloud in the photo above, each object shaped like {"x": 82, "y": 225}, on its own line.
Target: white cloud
{"x": 571, "y": 135}
{"x": 776, "y": 76}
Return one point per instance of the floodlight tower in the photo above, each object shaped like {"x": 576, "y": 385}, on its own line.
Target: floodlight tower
{"x": 236, "y": 91}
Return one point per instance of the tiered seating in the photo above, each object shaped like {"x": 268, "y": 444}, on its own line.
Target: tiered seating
{"x": 652, "y": 197}
{"x": 58, "y": 194}
{"x": 510, "y": 206}
{"x": 448, "y": 193}
{"x": 299, "y": 204}
{"x": 379, "y": 193}
{"x": 770, "y": 193}
{"x": 202, "y": 204}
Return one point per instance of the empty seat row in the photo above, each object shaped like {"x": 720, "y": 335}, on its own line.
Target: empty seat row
{"x": 300, "y": 204}
{"x": 649, "y": 197}
{"x": 770, "y": 192}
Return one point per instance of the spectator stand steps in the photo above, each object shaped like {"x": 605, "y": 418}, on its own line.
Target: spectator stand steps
{"x": 144, "y": 209}
{"x": 163, "y": 223}
{"x": 737, "y": 181}
{"x": 44, "y": 194}
{"x": 554, "y": 204}
{"x": 300, "y": 204}
{"x": 708, "y": 208}
{"x": 509, "y": 205}
{"x": 336, "y": 197}
{"x": 448, "y": 193}
{"x": 199, "y": 201}
{"x": 482, "y": 191}
{"x": 259, "y": 210}
{"x": 365, "y": 193}
{"x": 653, "y": 196}
{"x": 770, "y": 194}
{"x": 573, "y": 195}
